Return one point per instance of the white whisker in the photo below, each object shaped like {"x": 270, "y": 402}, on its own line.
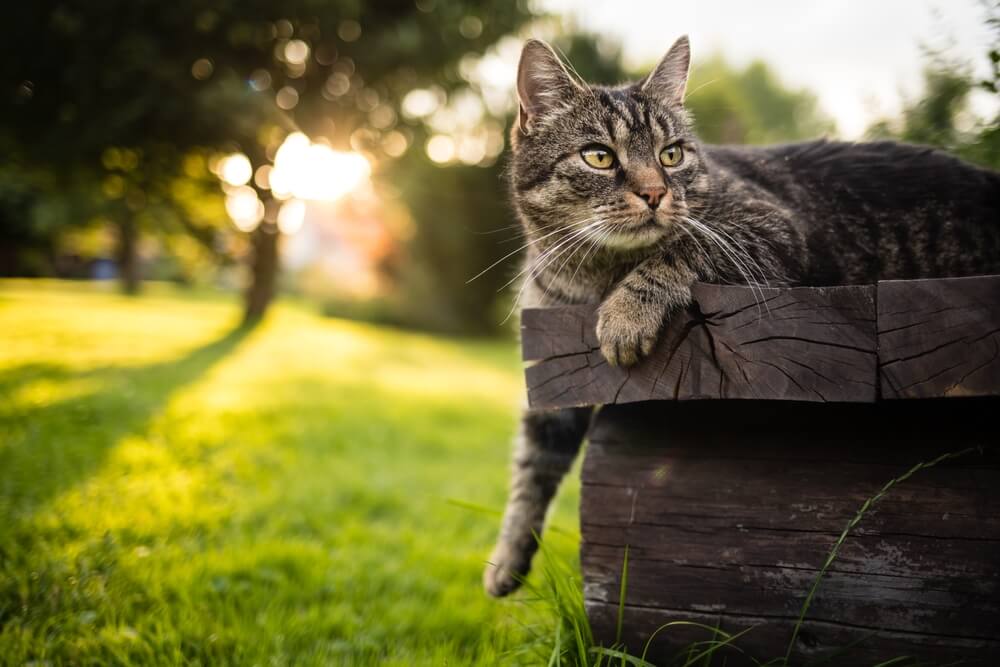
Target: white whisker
{"x": 562, "y": 227}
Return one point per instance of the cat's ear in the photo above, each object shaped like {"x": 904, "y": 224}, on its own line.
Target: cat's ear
{"x": 542, "y": 82}
{"x": 668, "y": 81}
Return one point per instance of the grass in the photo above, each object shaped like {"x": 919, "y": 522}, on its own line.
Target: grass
{"x": 177, "y": 490}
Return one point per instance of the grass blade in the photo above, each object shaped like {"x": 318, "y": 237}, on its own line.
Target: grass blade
{"x": 621, "y": 597}
{"x": 868, "y": 504}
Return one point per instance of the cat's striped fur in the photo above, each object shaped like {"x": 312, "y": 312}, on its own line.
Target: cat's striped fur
{"x": 636, "y": 236}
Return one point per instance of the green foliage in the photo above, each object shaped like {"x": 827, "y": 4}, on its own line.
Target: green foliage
{"x": 750, "y": 106}
{"x": 940, "y": 116}
{"x": 933, "y": 118}
{"x": 162, "y": 81}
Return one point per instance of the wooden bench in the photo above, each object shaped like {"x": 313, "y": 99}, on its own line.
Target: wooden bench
{"x": 731, "y": 459}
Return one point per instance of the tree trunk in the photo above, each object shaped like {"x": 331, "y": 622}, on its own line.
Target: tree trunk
{"x": 128, "y": 255}
{"x": 263, "y": 270}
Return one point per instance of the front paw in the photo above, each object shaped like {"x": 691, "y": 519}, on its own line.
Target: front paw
{"x": 626, "y": 331}
{"x": 505, "y": 570}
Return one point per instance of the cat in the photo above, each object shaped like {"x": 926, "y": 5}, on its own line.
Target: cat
{"x": 622, "y": 205}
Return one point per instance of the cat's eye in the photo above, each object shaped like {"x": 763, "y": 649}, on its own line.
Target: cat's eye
{"x": 672, "y": 155}
{"x": 598, "y": 157}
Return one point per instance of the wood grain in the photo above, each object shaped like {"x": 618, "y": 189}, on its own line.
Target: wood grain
{"x": 800, "y": 344}
{"x": 939, "y": 337}
{"x": 729, "y": 509}
{"x": 926, "y": 338}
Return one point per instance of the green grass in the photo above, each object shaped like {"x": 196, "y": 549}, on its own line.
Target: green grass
{"x": 177, "y": 490}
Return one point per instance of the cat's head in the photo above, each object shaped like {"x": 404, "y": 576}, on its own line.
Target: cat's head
{"x": 620, "y": 162}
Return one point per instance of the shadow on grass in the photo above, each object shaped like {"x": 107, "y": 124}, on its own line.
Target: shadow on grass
{"x": 46, "y": 449}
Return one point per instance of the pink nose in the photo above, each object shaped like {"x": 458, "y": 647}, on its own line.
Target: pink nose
{"x": 652, "y": 194}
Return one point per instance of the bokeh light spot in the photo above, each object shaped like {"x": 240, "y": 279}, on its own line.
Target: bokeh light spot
{"x": 306, "y": 170}
{"x": 235, "y": 169}
{"x": 441, "y": 148}
{"x": 470, "y": 27}
{"x": 291, "y": 216}
{"x": 260, "y": 80}
{"x": 244, "y": 208}
{"x": 202, "y": 69}
{"x": 349, "y": 30}
{"x": 287, "y": 98}
{"x": 296, "y": 52}
{"x": 394, "y": 144}
{"x": 262, "y": 177}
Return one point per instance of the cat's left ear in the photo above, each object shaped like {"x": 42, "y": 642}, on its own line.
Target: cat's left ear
{"x": 668, "y": 81}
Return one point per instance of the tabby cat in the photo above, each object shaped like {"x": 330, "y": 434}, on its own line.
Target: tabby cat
{"x": 622, "y": 205}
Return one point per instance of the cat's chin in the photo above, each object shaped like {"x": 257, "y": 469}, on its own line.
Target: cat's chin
{"x": 634, "y": 237}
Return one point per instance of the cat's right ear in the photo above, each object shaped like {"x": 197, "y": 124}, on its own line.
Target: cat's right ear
{"x": 668, "y": 81}
{"x": 542, "y": 82}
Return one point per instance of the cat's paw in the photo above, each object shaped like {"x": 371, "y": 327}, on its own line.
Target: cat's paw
{"x": 626, "y": 333}
{"x": 505, "y": 571}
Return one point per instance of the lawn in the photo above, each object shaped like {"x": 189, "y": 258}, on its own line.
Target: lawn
{"x": 174, "y": 489}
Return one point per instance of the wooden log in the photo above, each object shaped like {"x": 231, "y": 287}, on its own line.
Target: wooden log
{"x": 729, "y": 509}
{"x": 939, "y": 337}
{"x": 926, "y": 338}
{"x": 805, "y": 344}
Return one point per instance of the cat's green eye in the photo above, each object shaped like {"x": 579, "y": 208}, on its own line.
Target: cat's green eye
{"x": 598, "y": 157}
{"x": 672, "y": 155}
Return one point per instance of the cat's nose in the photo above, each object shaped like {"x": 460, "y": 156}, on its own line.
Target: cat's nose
{"x": 652, "y": 194}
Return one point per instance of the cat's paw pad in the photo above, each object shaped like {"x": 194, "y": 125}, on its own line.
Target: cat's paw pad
{"x": 625, "y": 338}
{"x": 504, "y": 572}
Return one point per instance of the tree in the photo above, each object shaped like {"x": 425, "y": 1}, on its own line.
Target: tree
{"x": 160, "y": 80}
{"x": 939, "y": 116}
{"x": 751, "y": 105}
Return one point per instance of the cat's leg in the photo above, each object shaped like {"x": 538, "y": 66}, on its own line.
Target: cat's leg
{"x": 546, "y": 445}
{"x": 630, "y": 319}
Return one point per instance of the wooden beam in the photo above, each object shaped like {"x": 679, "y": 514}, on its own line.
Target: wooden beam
{"x": 729, "y": 510}
{"x": 798, "y": 344}
{"x": 926, "y": 338}
{"x": 939, "y": 337}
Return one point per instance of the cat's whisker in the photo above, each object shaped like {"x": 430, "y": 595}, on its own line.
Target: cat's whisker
{"x": 541, "y": 263}
{"x": 734, "y": 257}
{"x": 533, "y": 266}
{"x": 597, "y": 240}
{"x": 705, "y": 253}
{"x": 562, "y": 226}
{"x": 588, "y": 237}
{"x": 746, "y": 261}
{"x": 746, "y": 255}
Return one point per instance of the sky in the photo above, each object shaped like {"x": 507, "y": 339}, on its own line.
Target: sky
{"x": 861, "y": 58}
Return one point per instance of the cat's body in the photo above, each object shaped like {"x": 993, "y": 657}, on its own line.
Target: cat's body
{"x": 623, "y": 206}
{"x": 865, "y": 211}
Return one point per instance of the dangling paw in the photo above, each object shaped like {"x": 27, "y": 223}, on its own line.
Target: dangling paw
{"x": 505, "y": 570}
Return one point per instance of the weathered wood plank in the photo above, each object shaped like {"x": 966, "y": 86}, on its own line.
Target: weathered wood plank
{"x": 729, "y": 509}
{"x": 805, "y": 344}
{"x": 928, "y": 338}
{"x": 768, "y": 637}
{"x": 939, "y": 337}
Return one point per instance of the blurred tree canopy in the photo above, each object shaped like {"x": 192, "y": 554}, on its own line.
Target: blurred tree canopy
{"x": 125, "y": 97}
{"x": 116, "y": 114}
{"x": 751, "y": 105}
{"x": 941, "y": 116}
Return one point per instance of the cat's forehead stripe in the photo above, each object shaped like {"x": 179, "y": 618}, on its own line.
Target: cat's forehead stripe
{"x": 627, "y": 117}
